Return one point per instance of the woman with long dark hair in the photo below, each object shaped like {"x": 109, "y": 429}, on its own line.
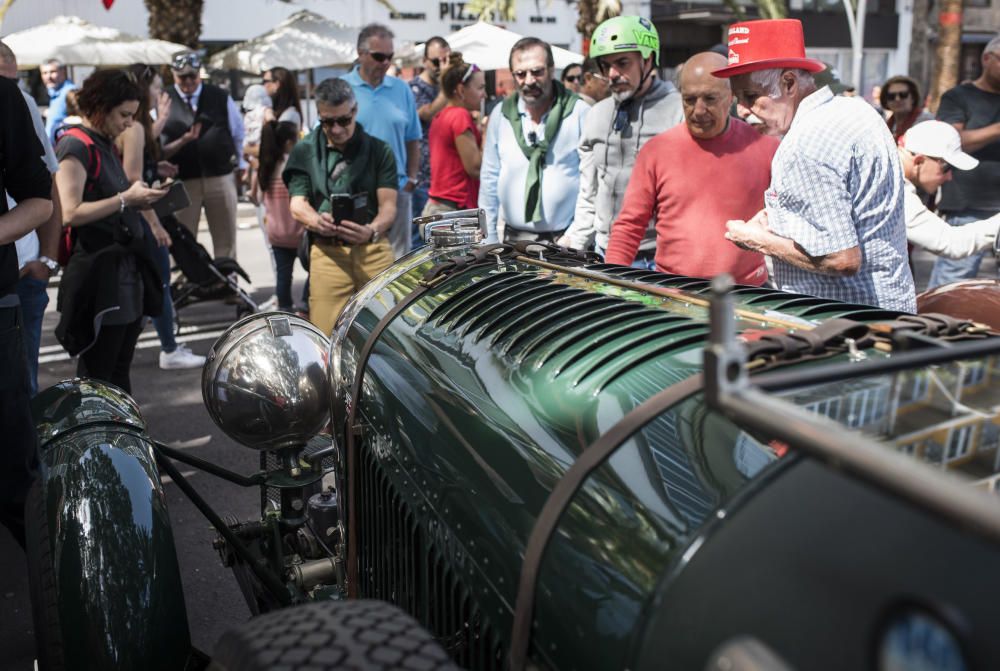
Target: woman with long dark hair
{"x": 283, "y": 233}
{"x": 111, "y": 279}
{"x": 140, "y": 149}
{"x": 455, "y": 141}
{"x": 280, "y": 84}
{"x": 900, "y": 97}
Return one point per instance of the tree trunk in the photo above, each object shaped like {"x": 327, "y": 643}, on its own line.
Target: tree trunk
{"x": 948, "y": 51}
{"x": 920, "y": 35}
{"x": 587, "y": 22}
{"x": 176, "y": 20}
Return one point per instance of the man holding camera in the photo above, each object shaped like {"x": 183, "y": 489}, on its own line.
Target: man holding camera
{"x": 342, "y": 182}
{"x": 206, "y": 120}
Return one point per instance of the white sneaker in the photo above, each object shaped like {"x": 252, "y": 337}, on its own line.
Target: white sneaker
{"x": 180, "y": 358}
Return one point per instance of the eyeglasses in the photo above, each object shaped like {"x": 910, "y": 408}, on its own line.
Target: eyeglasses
{"x": 189, "y": 60}
{"x": 469, "y": 72}
{"x": 537, "y": 73}
{"x": 901, "y": 95}
{"x": 342, "y": 121}
{"x": 572, "y": 79}
{"x": 380, "y": 57}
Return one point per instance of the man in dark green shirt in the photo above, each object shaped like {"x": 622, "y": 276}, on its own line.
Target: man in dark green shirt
{"x": 339, "y": 158}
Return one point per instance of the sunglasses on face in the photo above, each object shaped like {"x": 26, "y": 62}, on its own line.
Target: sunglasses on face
{"x": 380, "y": 57}
{"x": 342, "y": 121}
{"x": 265, "y": 80}
{"x": 187, "y": 76}
{"x": 537, "y": 73}
{"x": 945, "y": 166}
{"x": 436, "y": 62}
{"x": 901, "y": 95}
{"x": 572, "y": 79}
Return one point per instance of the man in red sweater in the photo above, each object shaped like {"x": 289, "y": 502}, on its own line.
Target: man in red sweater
{"x": 694, "y": 178}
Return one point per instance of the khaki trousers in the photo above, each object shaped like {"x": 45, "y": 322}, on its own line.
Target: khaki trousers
{"x": 336, "y": 272}
{"x": 218, "y": 196}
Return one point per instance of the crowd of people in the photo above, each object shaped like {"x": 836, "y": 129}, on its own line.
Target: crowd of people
{"x": 751, "y": 163}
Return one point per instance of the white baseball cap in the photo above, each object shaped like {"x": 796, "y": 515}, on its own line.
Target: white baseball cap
{"x": 938, "y": 139}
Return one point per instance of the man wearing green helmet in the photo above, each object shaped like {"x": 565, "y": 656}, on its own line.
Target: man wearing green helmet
{"x": 627, "y": 49}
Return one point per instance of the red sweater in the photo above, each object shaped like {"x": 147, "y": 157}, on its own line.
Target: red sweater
{"x": 693, "y": 187}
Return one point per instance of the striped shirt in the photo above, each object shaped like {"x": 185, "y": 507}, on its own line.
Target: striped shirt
{"x": 836, "y": 183}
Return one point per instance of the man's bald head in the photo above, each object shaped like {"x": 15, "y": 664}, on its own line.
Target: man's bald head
{"x": 707, "y": 99}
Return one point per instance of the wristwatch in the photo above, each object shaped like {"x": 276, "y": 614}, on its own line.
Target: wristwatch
{"x": 413, "y": 181}
{"x": 51, "y": 264}
{"x": 376, "y": 235}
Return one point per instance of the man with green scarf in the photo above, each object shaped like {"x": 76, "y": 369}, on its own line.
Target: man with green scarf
{"x": 530, "y": 173}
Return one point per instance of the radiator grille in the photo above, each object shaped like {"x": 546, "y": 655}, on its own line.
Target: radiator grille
{"x": 399, "y": 563}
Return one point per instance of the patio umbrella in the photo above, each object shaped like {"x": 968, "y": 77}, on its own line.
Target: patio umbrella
{"x": 303, "y": 41}
{"x": 488, "y": 46}
{"x": 77, "y": 42}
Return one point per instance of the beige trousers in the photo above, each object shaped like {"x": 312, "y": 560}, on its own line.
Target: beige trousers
{"x": 218, "y": 196}
{"x": 336, "y": 272}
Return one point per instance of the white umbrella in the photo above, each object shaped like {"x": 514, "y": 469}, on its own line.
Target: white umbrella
{"x": 488, "y": 46}
{"x": 303, "y": 41}
{"x": 77, "y": 42}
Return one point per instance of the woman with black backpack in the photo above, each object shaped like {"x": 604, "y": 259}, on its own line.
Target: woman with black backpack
{"x": 111, "y": 280}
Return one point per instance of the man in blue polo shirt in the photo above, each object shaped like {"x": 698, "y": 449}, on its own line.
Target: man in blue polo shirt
{"x": 388, "y": 111}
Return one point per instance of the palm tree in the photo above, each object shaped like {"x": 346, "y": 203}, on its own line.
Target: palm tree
{"x": 176, "y": 20}
{"x": 592, "y": 14}
{"x": 948, "y": 51}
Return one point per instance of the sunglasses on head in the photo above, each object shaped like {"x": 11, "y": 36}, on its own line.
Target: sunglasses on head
{"x": 380, "y": 57}
{"x": 901, "y": 95}
{"x": 468, "y": 73}
{"x": 182, "y": 61}
{"x": 342, "y": 121}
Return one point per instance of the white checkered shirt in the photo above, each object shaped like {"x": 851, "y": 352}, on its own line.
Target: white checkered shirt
{"x": 836, "y": 183}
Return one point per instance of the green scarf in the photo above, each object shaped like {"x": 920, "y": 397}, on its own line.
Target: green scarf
{"x": 562, "y": 106}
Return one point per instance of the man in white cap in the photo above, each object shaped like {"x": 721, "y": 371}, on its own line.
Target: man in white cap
{"x": 928, "y": 153}
{"x": 833, "y": 221}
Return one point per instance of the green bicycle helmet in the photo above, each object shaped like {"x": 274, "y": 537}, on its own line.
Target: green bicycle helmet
{"x": 626, "y": 33}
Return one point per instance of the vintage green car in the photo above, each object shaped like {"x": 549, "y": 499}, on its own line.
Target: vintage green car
{"x": 538, "y": 460}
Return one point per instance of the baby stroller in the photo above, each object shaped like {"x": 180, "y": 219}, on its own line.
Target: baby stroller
{"x": 204, "y": 278}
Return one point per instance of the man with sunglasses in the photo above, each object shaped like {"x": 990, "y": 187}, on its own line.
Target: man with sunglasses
{"x": 339, "y": 158}
{"x": 594, "y": 85}
{"x": 641, "y": 106}
{"x": 205, "y": 164}
{"x": 388, "y": 111}
{"x": 973, "y": 108}
{"x": 930, "y": 153}
{"x": 430, "y": 100}
{"x": 530, "y": 171}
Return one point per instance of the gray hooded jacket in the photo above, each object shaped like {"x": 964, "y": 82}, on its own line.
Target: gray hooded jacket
{"x": 608, "y": 156}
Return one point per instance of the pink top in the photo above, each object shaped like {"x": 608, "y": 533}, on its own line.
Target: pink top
{"x": 693, "y": 187}
{"x": 282, "y": 229}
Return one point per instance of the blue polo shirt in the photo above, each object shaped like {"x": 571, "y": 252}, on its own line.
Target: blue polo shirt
{"x": 389, "y": 112}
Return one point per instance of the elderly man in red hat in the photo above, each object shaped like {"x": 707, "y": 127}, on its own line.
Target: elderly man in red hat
{"x": 833, "y": 221}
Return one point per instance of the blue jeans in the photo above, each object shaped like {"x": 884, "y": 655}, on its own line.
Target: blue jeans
{"x": 34, "y": 299}
{"x": 947, "y": 271}
{"x": 284, "y": 259}
{"x": 164, "y": 324}
{"x": 419, "y": 200}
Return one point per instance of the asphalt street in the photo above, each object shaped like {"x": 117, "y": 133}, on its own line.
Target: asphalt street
{"x": 172, "y": 405}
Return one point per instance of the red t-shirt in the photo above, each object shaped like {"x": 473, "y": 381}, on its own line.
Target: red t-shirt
{"x": 693, "y": 187}
{"x": 448, "y": 178}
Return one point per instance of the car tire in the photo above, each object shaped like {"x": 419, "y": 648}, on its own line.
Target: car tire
{"x": 369, "y": 635}
{"x": 42, "y": 583}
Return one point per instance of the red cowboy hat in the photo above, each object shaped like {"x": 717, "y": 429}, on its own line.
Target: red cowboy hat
{"x": 767, "y": 44}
